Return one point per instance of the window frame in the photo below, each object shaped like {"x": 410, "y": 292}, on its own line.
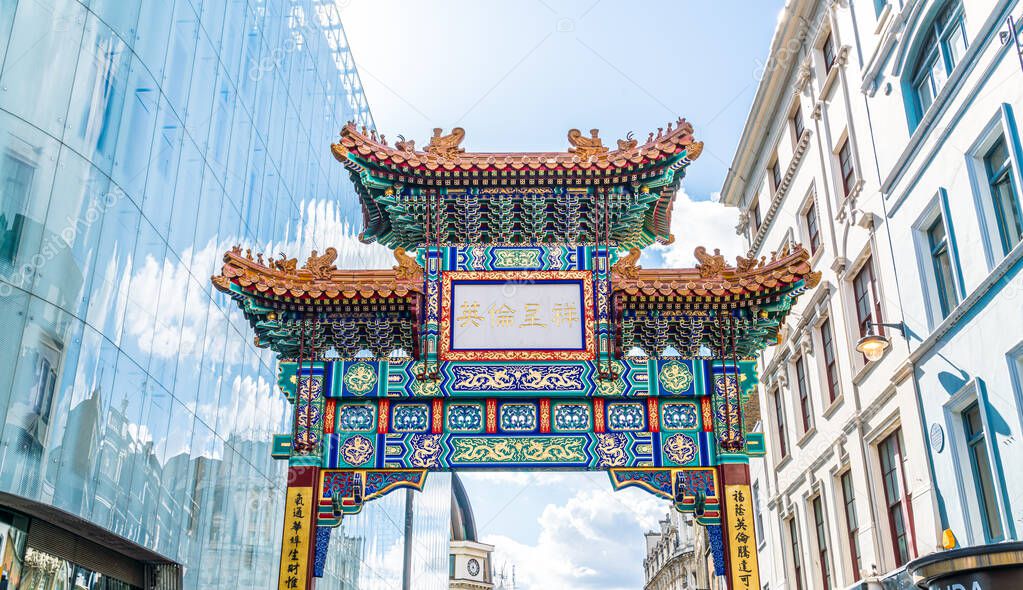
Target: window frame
{"x": 941, "y": 293}
{"x": 935, "y": 49}
{"x": 775, "y": 171}
{"x": 829, "y": 53}
{"x": 779, "y": 418}
{"x": 1001, "y": 126}
{"x": 794, "y": 550}
{"x": 875, "y": 316}
{"x": 798, "y": 124}
{"x": 898, "y": 511}
{"x": 1003, "y": 176}
{"x": 976, "y": 442}
{"x": 803, "y": 392}
{"x": 829, "y": 358}
{"x": 811, "y": 218}
{"x": 852, "y": 524}
{"x": 974, "y": 393}
{"x": 758, "y": 515}
{"x": 753, "y": 213}
{"x": 941, "y": 266}
{"x": 845, "y": 159}
{"x": 820, "y": 528}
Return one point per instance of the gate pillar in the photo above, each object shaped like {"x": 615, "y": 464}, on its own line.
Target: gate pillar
{"x": 738, "y": 536}
{"x": 298, "y": 540}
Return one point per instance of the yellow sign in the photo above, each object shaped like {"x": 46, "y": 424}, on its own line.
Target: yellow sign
{"x": 742, "y": 551}
{"x": 298, "y": 520}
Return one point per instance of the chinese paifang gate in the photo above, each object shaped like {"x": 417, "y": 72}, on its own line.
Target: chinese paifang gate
{"x": 517, "y": 331}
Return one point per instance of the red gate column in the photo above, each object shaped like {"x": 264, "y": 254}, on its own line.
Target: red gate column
{"x": 298, "y": 540}
{"x": 743, "y": 571}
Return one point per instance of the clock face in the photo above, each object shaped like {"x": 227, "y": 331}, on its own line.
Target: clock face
{"x": 474, "y": 567}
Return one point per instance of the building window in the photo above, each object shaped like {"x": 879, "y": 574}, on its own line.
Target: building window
{"x": 868, "y": 306}
{"x": 830, "y": 362}
{"x": 852, "y": 527}
{"x": 758, "y": 514}
{"x": 797, "y": 123}
{"x": 775, "y": 175}
{"x": 893, "y": 481}
{"x": 828, "y": 49}
{"x": 813, "y": 228}
{"x": 822, "y": 540}
{"x": 16, "y": 177}
{"x": 803, "y": 388}
{"x": 797, "y": 559}
{"x": 848, "y": 170}
{"x": 980, "y": 462}
{"x": 940, "y": 52}
{"x": 879, "y": 6}
{"x": 1004, "y": 195}
{"x": 754, "y": 217}
{"x": 779, "y": 418}
{"x": 941, "y": 266}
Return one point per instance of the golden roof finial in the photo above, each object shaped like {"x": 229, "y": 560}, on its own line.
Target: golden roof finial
{"x": 586, "y": 147}
{"x": 446, "y": 146}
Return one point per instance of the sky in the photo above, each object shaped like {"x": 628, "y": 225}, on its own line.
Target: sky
{"x": 517, "y": 75}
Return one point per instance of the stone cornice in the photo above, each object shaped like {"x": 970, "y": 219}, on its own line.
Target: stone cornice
{"x": 783, "y": 189}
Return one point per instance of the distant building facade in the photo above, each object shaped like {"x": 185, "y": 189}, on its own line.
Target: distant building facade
{"x": 678, "y": 556}
{"x": 884, "y": 137}
{"x": 470, "y": 565}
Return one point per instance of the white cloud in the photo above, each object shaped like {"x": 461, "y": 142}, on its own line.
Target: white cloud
{"x": 695, "y": 223}
{"x": 594, "y": 540}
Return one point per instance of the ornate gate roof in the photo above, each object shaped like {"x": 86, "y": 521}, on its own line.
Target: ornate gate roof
{"x": 538, "y": 197}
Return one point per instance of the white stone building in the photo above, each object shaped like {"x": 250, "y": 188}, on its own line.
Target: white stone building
{"x": 677, "y": 555}
{"x": 470, "y": 563}
{"x": 884, "y": 137}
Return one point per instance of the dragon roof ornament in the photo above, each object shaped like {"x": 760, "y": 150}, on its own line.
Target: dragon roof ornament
{"x": 445, "y": 154}
{"x": 713, "y": 277}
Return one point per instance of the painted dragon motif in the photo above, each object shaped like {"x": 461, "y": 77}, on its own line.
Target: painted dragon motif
{"x": 518, "y": 450}
{"x": 426, "y": 451}
{"x": 611, "y": 450}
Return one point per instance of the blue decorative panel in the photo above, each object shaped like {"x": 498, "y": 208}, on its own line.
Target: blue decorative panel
{"x": 677, "y": 377}
{"x": 356, "y": 418}
{"x": 571, "y": 417}
{"x": 320, "y": 555}
{"x": 626, "y": 416}
{"x": 680, "y": 416}
{"x": 680, "y": 449}
{"x": 465, "y": 417}
{"x": 410, "y": 418}
{"x": 508, "y": 377}
{"x": 518, "y": 417}
{"x": 355, "y": 378}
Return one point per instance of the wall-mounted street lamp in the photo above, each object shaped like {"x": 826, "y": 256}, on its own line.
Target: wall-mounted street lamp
{"x": 873, "y": 345}
{"x": 1009, "y": 35}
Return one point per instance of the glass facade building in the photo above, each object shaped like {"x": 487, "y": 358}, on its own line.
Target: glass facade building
{"x": 138, "y": 142}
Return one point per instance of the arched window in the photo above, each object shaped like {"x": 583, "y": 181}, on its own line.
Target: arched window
{"x": 939, "y": 53}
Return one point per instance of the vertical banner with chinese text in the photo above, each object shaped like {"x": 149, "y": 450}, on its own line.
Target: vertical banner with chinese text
{"x": 299, "y": 509}
{"x": 743, "y": 571}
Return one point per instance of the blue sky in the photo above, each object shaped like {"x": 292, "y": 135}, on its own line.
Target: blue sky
{"x": 517, "y": 76}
